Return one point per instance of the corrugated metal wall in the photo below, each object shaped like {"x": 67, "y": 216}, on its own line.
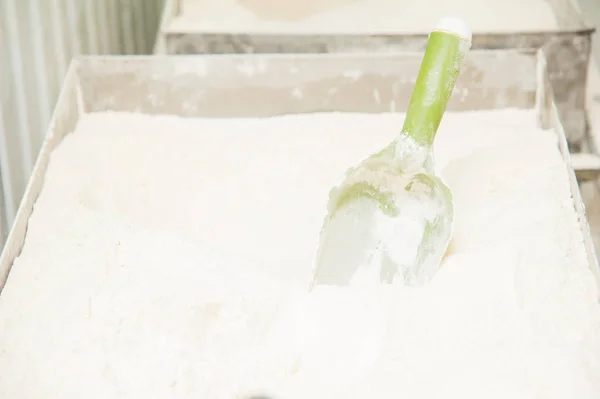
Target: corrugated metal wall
{"x": 38, "y": 38}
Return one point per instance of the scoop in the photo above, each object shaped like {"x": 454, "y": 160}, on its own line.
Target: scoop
{"x": 391, "y": 217}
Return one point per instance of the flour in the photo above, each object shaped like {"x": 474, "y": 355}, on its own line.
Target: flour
{"x": 169, "y": 258}
{"x": 356, "y": 16}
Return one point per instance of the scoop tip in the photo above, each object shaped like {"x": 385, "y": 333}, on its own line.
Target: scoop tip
{"x": 454, "y": 25}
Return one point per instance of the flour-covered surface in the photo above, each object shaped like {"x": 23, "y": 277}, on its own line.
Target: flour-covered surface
{"x": 362, "y": 16}
{"x": 169, "y": 258}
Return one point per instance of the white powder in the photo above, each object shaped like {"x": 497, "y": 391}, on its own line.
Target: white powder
{"x": 169, "y": 258}
{"x": 355, "y": 16}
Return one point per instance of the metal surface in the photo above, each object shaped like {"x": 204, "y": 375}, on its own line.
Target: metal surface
{"x": 38, "y": 38}
{"x": 568, "y": 51}
{"x": 221, "y": 86}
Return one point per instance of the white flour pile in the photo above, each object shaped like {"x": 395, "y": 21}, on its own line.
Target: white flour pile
{"x": 168, "y": 258}
{"x": 372, "y": 16}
